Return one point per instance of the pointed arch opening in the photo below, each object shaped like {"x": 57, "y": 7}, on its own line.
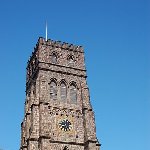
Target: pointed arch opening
{"x": 63, "y": 91}
{"x": 73, "y": 93}
{"x": 66, "y": 148}
{"x": 71, "y": 60}
{"x": 53, "y": 90}
{"x": 54, "y": 58}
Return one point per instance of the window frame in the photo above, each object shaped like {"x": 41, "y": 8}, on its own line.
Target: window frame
{"x": 53, "y": 92}
{"x": 71, "y": 60}
{"x": 73, "y": 95}
{"x": 65, "y": 87}
{"x": 54, "y": 58}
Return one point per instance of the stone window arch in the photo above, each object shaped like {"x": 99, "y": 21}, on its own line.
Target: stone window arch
{"x": 63, "y": 91}
{"x": 65, "y": 148}
{"x": 53, "y": 90}
{"x": 70, "y": 60}
{"x": 73, "y": 93}
{"x": 54, "y": 58}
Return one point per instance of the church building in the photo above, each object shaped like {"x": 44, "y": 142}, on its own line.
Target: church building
{"x": 58, "y": 114}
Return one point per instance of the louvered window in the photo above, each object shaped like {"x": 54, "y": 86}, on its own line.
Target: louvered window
{"x": 71, "y": 61}
{"x": 54, "y": 58}
{"x": 63, "y": 91}
{"x": 53, "y": 90}
{"x": 73, "y": 93}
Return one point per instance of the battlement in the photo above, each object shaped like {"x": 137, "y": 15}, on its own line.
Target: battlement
{"x": 60, "y": 44}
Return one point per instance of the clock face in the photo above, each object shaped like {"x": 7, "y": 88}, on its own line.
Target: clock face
{"x": 65, "y": 125}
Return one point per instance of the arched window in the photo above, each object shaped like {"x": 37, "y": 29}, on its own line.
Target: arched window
{"x": 73, "y": 93}
{"x": 54, "y": 58}
{"x": 71, "y": 61}
{"x": 53, "y": 90}
{"x": 63, "y": 91}
{"x": 66, "y": 148}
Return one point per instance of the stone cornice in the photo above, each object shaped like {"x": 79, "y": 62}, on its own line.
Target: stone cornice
{"x": 79, "y": 75}
{"x": 62, "y": 69}
{"x": 63, "y": 66}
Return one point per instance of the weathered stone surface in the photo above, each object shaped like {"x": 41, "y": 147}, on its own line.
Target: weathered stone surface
{"x": 43, "y": 126}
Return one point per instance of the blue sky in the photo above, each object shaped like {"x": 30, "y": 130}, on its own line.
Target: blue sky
{"x": 115, "y": 35}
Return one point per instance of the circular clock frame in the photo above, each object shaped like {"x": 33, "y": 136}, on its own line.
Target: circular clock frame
{"x": 65, "y": 125}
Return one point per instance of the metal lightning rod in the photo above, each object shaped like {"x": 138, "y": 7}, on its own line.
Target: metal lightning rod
{"x": 46, "y": 31}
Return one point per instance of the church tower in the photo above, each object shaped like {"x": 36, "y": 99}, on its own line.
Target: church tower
{"x": 58, "y": 113}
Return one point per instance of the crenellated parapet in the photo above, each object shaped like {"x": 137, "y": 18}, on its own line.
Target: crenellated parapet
{"x": 59, "y": 44}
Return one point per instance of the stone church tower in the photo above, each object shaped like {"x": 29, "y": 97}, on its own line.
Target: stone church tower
{"x": 58, "y": 113}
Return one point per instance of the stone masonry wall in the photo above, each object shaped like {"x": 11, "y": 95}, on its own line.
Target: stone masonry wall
{"x": 41, "y": 125}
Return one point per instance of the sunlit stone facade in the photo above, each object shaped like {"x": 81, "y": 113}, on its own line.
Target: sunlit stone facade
{"x": 58, "y": 114}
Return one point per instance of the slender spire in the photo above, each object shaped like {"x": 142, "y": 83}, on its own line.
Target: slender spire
{"x": 46, "y": 31}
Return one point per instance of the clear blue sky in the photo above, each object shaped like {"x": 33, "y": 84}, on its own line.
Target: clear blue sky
{"x": 116, "y": 38}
